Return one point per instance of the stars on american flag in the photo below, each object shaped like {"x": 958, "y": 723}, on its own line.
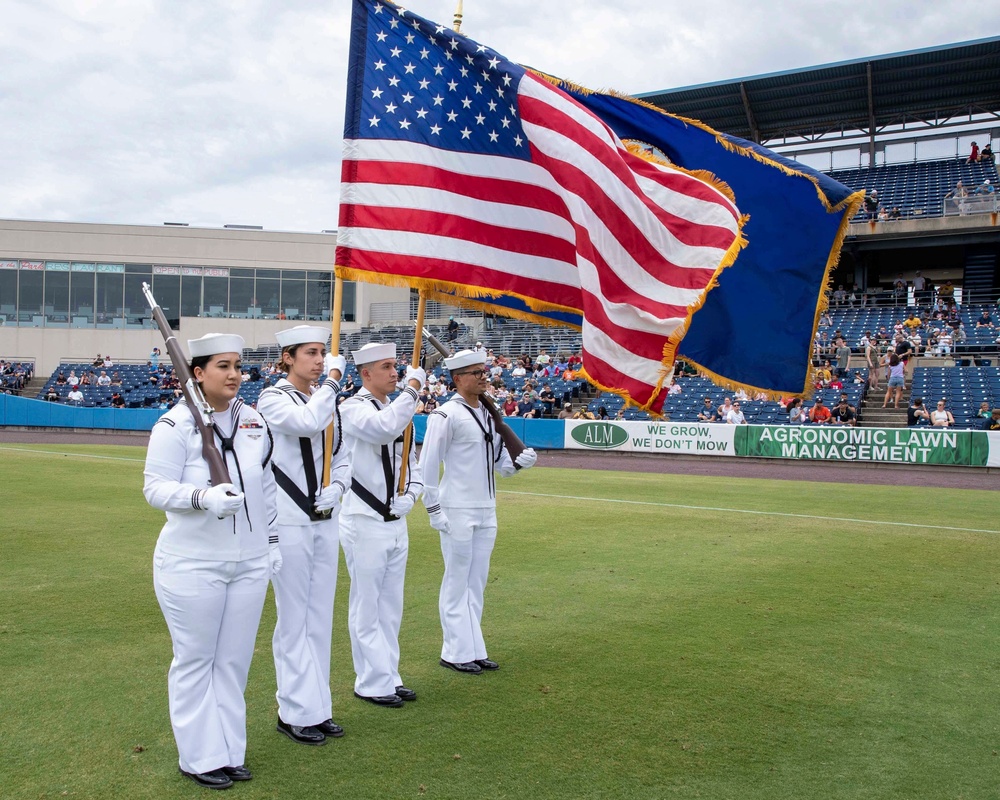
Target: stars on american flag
{"x": 425, "y": 83}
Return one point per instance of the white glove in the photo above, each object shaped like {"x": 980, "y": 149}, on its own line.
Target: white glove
{"x": 274, "y": 558}
{"x": 416, "y": 374}
{"x": 217, "y": 500}
{"x": 332, "y": 363}
{"x": 328, "y": 498}
{"x": 527, "y": 458}
{"x": 402, "y": 505}
{"x": 439, "y": 521}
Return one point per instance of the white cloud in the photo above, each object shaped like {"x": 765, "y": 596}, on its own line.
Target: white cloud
{"x": 211, "y": 112}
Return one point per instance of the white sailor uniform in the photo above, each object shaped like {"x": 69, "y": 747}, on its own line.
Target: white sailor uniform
{"x": 375, "y": 543}
{"x": 210, "y": 576}
{"x": 464, "y": 438}
{"x": 304, "y": 589}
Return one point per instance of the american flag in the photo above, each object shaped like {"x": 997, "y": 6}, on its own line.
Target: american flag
{"x": 466, "y": 172}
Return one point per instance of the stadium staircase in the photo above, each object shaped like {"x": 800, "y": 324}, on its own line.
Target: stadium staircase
{"x": 980, "y": 275}
{"x": 872, "y": 415}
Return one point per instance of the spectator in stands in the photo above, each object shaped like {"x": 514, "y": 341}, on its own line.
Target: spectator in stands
{"x": 154, "y": 357}
{"x": 944, "y": 342}
{"x": 85, "y": 379}
{"x": 843, "y": 354}
{"x": 899, "y": 289}
{"x": 117, "y": 401}
{"x": 509, "y": 407}
{"x": 959, "y": 194}
{"x": 707, "y": 413}
{"x": 895, "y": 213}
{"x": 986, "y": 154}
{"x": 75, "y": 396}
{"x": 985, "y": 188}
{"x": 844, "y": 399}
{"x": 519, "y": 371}
{"x": 723, "y": 410}
{"x": 843, "y": 415}
{"x": 912, "y": 322}
{"x": 52, "y": 395}
{"x": 104, "y": 379}
{"x": 819, "y": 414}
{"x": 98, "y": 361}
{"x": 452, "y": 329}
{"x": 883, "y": 215}
{"x": 993, "y": 423}
{"x": 984, "y": 321}
{"x": 620, "y": 415}
{"x": 116, "y": 379}
{"x": 896, "y": 380}
{"x": 61, "y": 379}
{"x": 825, "y": 320}
{"x": 796, "y": 413}
{"x": 873, "y": 362}
{"x": 73, "y": 380}
{"x": 973, "y": 154}
{"x": 430, "y": 404}
{"x": 904, "y": 349}
{"x": 735, "y": 416}
{"x": 871, "y": 204}
{"x": 584, "y": 413}
{"x": 839, "y": 296}
{"x": 108, "y": 363}
{"x": 548, "y": 400}
{"x": 941, "y": 417}
{"x": 526, "y": 407}
{"x": 824, "y": 374}
{"x": 917, "y": 414}
{"x": 602, "y": 412}
{"x": 567, "y": 411}
{"x": 984, "y": 411}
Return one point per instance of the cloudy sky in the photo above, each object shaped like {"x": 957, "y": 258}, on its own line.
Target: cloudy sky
{"x": 231, "y": 111}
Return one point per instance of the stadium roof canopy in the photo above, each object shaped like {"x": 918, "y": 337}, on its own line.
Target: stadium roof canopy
{"x": 932, "y": 88}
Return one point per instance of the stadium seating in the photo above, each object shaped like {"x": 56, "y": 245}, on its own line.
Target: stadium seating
{"x": 853, "y": 322}
{"x": 916, "y": 188}
{"x": 962, "y": 388}
{"x": 15, "y": 374}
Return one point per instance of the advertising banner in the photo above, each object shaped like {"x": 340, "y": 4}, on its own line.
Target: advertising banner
{"x": 882, "y": 445}
{"x": 650, "y": 437}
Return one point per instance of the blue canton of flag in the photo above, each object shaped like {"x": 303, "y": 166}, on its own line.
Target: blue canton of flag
{"x": 426, "y": 83}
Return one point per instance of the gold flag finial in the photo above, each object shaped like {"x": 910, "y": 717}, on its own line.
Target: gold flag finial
{"x": 458, "y": 17}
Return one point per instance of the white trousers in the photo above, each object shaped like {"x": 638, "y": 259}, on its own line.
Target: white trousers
{"x": 304, "y": 590}
{"x": 466, "y": 550}
{"x": 212, "y": 609}
{"x": 375, "y": 552}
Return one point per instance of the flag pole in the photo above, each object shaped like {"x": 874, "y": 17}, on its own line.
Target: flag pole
{"x": 417, "y": 346}
{"x": 458, "y": 18}
{"x": 338, "y": 305}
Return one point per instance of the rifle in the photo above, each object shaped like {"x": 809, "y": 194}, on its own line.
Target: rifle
{"x": 510, "y": 439}
{"x": 200, "y": 408}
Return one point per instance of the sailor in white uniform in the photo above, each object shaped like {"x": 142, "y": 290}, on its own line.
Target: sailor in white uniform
{"x": 462, "y": 506}
{"x": 307, "y": 517}
{"x": 212, "y": 562}
{"x": 373, "y": 520}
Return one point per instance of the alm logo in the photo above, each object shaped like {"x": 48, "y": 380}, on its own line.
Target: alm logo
{"x": 600, "y": 435}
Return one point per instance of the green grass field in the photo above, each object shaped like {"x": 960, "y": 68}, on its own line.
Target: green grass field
{"x": 648, "y": 650}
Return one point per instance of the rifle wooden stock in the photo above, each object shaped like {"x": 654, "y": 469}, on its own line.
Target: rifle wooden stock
{"x": 510, "y": 439}
{"x": 200, "y": 409}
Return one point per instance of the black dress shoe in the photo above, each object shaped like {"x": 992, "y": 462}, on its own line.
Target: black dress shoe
{"x": 216, "y": 779}
{"x": 330, "y": 728}
{"x": 466, "y": 667}
{"x": 387, "y": 700}
{"x": 303, "y": 734}
{"x": 405, "y": 694}
{"x": 240, "y": 773}
{"x": 485, "y": 663}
